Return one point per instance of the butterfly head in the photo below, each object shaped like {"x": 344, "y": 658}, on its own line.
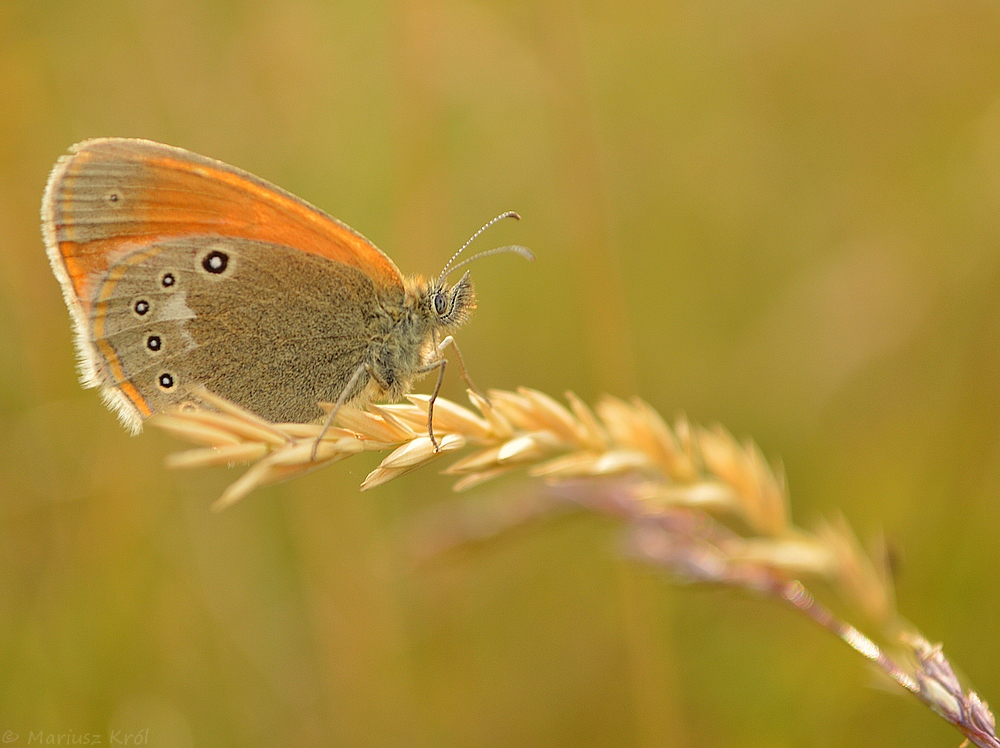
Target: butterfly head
{"x": 449, "y": 307}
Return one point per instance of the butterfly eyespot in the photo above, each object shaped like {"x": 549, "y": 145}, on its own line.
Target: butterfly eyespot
{"x": 440, "y": 303}
{"x": 141, "y": 307}
{"x": 154, "y": 343}
{"x": 168, "y": 280}
{"x": 166, "y": 381}
{"x": 215, "y": 262}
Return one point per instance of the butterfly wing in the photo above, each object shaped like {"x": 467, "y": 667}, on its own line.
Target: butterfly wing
{"x": 271, "y": 328}
{"x": 111, "y": 199}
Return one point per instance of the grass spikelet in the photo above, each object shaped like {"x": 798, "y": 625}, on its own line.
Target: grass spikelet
{"x": 694, "y": 502}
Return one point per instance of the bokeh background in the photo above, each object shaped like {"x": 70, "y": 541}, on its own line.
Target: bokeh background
{"x": 780, "y": 216}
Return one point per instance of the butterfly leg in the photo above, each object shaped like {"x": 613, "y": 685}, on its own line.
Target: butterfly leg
{"x": 348, "y": 388}
{"x": 463, "y": 372}
{"x": 440, "y": 363}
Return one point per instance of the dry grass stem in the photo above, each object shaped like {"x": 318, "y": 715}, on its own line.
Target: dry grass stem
{"x": 694, "y": 501}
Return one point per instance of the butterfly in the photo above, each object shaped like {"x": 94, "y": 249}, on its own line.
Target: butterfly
{"x": 181, "y": 272}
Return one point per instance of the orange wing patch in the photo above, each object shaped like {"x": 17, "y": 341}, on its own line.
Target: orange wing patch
{"x": 112, "y": 195}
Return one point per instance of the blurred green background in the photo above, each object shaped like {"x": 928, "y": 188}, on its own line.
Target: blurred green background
{"x": 781, "y": 216}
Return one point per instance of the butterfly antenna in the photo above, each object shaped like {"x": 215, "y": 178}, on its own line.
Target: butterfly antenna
{"x": 515, "y": 248}
{"x": 444, "y": 273}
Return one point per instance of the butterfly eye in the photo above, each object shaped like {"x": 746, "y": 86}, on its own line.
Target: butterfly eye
{"x": 440, "y": 303}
